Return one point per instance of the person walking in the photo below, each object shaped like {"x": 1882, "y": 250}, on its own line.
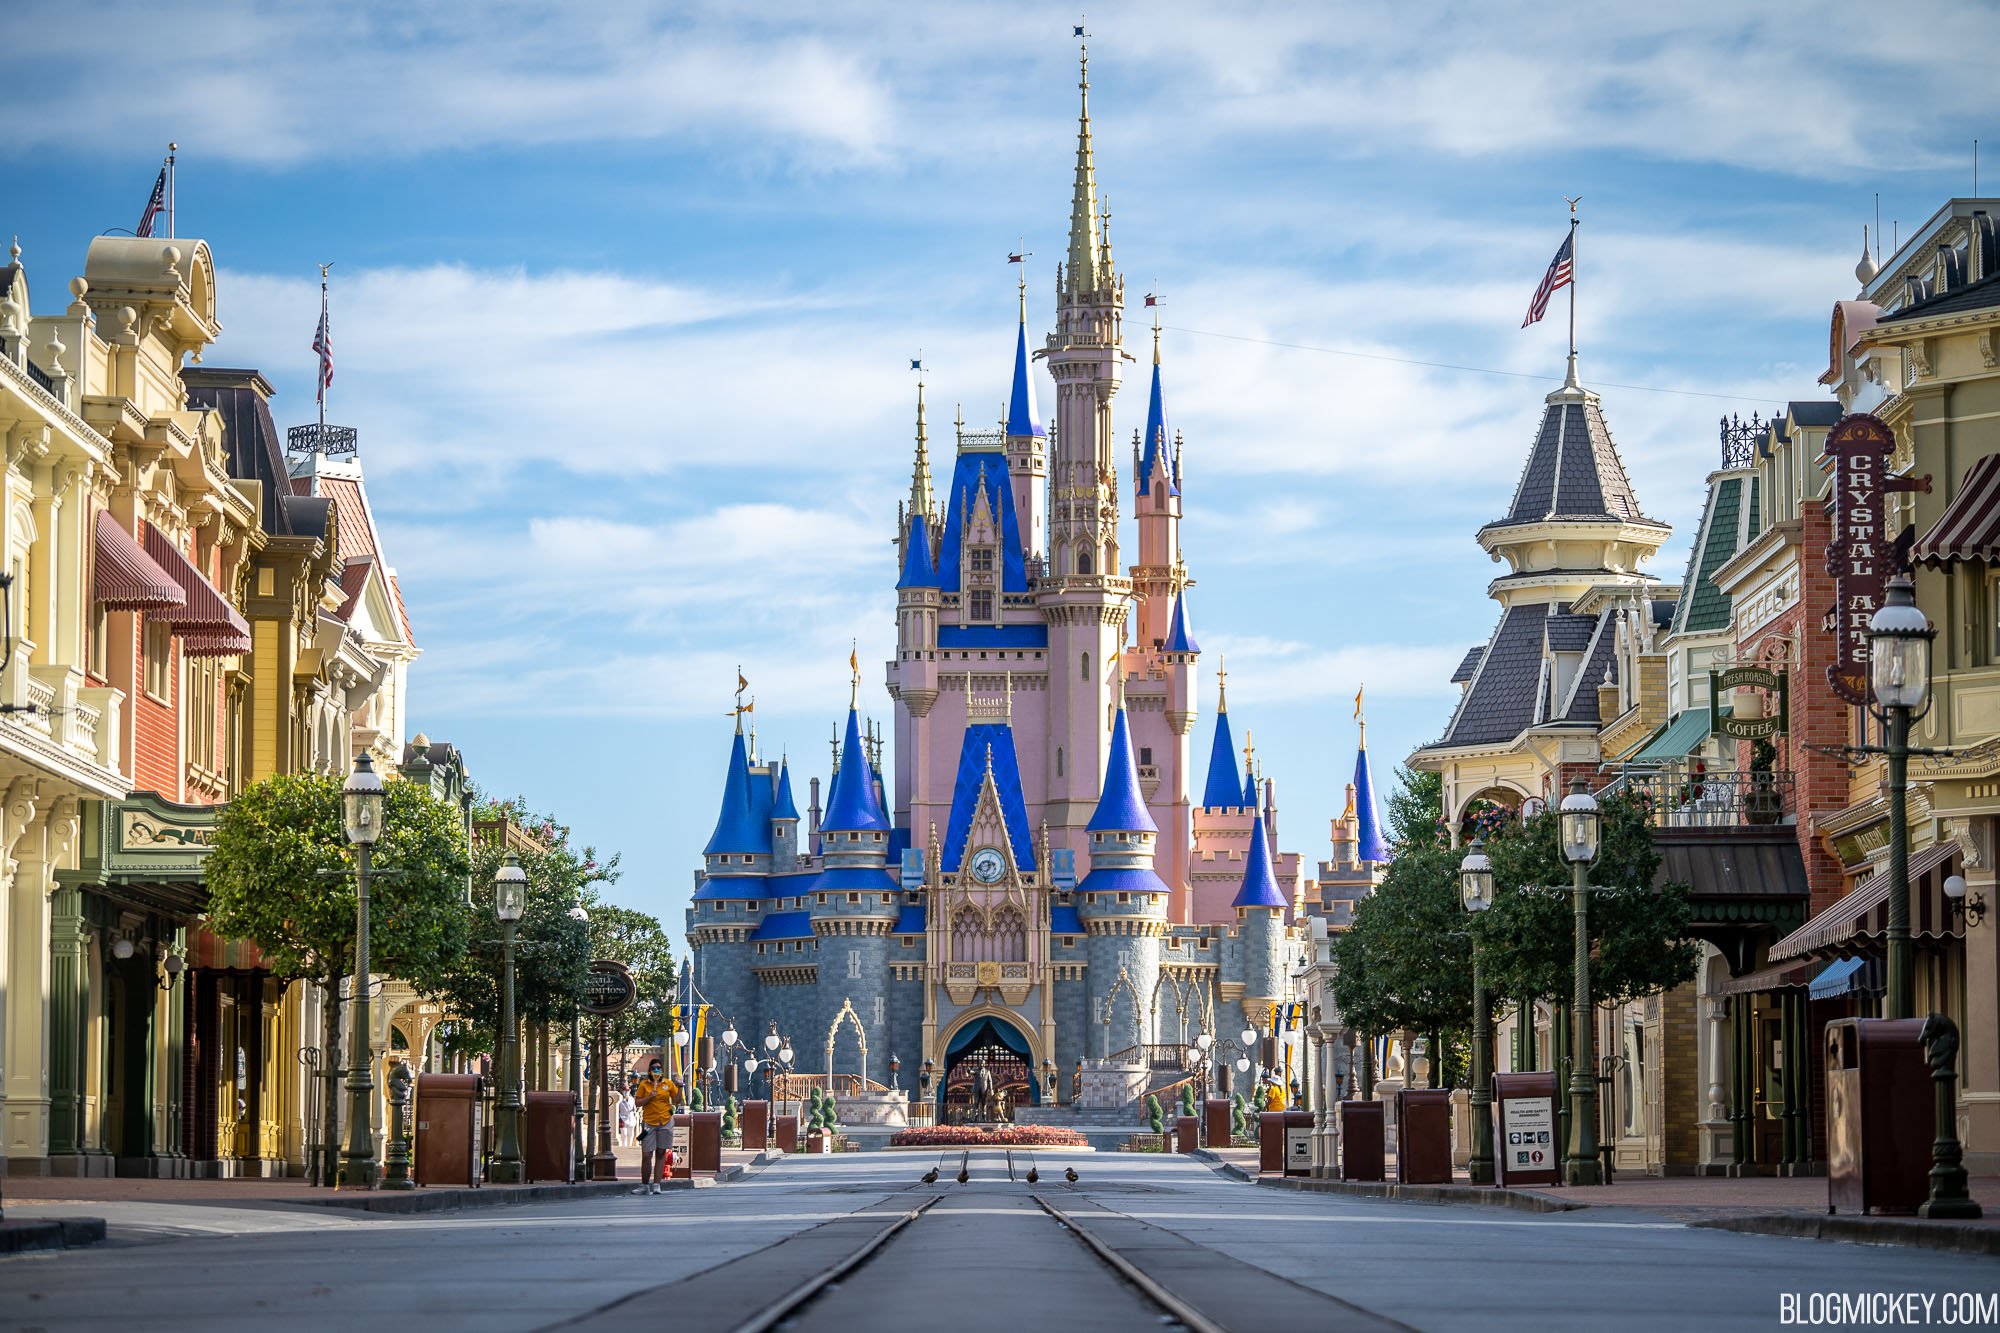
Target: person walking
{"x": 656, "y": 1097}
{"x": 628, "y": 1112}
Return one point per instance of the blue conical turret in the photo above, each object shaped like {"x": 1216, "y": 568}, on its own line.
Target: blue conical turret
{"x": 1154, "y": 448}
{"x": 1260, "y": 885}
{"x": 852, "y": 806}
{"x": 738, "y": 830}
{"x": 1180, "y": 638}
{"x": 1368, "y": 843}
{"x": 1021, "y": 417}
{"x": 919, "y": 570}
{"x": 1120, "y": 808}
{"x": 1222, "y": 789}
{"x": 785, "y": 807}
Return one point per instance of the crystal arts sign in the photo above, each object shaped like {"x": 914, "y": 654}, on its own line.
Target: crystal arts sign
{"x": 1858, "y": 554}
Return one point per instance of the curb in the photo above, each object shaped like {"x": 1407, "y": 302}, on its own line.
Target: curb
{"x": 504, "y": 1196}
{"x": 66, "y": 1233}
{"x": 1495, "y": 1197}
{"x": 1864, "y": 1231}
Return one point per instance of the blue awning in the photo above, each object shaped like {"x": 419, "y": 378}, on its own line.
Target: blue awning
{"x": 1838, "y": 978}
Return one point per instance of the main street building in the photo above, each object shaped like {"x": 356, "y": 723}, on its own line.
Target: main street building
{"x": 1042, "y": 874}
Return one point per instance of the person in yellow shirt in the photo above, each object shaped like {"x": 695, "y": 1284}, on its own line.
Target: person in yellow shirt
{"x": 1274, "y": 1095}
{"x": 657, "y": 1096}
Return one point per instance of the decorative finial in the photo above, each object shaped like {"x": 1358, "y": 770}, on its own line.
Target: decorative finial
{"x": 854, "y": 667}
{"x": 1866, "y": 270}
{"x": 741, "y": 708}
{"x": 1221, "y": 683}
{"x": 1359, "y": 718}
{"x": 14, "y": 250}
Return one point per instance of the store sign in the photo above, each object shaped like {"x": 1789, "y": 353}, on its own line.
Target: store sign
{"x": 1858, "y": 554}
{"x": 1298, "y": 1150}
{"x": 1775, "y": 686}
{"x": 608, "y": 989}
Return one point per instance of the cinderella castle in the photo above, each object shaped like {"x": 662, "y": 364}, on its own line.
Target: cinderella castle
{"x": 1044, "y": 880}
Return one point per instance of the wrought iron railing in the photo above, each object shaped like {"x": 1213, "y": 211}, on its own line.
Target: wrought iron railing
{"x": 1684, "y": 797}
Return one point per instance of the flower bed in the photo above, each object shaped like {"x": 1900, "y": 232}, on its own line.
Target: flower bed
{"x": 978, "y": 1136}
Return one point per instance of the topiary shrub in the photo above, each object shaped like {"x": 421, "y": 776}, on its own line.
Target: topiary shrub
{"x": 1156, "y": 1115}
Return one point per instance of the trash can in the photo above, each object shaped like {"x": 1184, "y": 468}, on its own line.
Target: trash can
{"x": 1525, "y": 1151}
{"x": 788, "y": 1133}
{"x": 1187, "y": 1133}
{"x": 1270, "y": 1142}
{"x": 756, "y": 1126}
{"x": 704, "y": 1141}
{"x": 548, "y": 1152}
{"x": 1361, "y": 1144}
{"x": 1879, "y": 1115}
{"x": 1215, "y": 1122}
{"x": 448, "y": 1129}
{"x": 1423, "y": 1136}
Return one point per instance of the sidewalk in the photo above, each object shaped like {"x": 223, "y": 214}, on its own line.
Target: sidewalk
{"x": 255, "y": 1192}
{"x": 1765, "y": 1205}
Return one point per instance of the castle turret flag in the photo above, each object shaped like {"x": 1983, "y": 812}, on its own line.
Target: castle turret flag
{"x": 1561, "y": 270}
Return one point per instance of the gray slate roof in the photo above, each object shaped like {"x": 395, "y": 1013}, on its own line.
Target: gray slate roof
{"x": 1973, "y": 296}
{"x": 251, "y": 439}
{"x": 1573, "y": 471}
{"x": 1469, "y": 664}
{"x": 1813, "y": 412}
{"x": 1570, "y": 634}
{"x": 1500, "y": 704}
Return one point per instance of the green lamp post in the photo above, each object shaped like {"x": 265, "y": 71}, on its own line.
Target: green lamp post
{"x": 510, "y": 902}
{"x": 1578, "y": 831}
{"x": 1899, "y": 656}
{"x": 1475, "y": 886}
{"x": 361, "y": 808}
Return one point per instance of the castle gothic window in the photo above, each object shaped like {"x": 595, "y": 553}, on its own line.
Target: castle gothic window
{"x": 982, "y": 560}
{"x": 980, "y": 600}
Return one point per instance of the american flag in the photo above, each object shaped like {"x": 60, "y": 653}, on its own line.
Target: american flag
{"x": 1560, "y": 271}
{"x": 154, "y": 206}
{"x": 323, "y": 344}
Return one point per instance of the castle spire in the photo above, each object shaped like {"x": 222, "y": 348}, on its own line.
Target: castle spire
{"x": 920, "y": 473}
{"x": 1222, "y": 790}
{"x": 1022, "y": 419}
{"x": 1085, "y": 238}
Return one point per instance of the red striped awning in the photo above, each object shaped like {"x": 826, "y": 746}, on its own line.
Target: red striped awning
{"x": 1969, "y": 528}
{"x": 208, "y": 626}
{"x": 1859, "y": 923}
{"x": 125, "y": 578}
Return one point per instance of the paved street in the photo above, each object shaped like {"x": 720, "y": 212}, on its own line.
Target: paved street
{"x": 984, "y": 1255}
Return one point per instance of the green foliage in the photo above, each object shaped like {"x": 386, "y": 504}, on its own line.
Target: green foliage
{"x": 829, "y": 1114}
{"x": 1636, "y": 930}
{"x": 1416, "y": 807}
{"x": 696, "y": 1099}
{"x": 1239, "y": 1116}
{"x": 1187, "y": 1099}
{"x": 266, "y": 885}
{"x": 732, "y": 1116}
{"x": 1156, "y": 1114}
{"x": 1407, "y": 961}
{"x": 638, "y": 941}
{"x": 1263, "y": 1096}
{"x": 552, "y": 947}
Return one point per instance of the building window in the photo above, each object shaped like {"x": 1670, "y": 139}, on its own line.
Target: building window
{"x": 982, "y": 560}
{"x": 1086, "y": 666}
{"x": 853, "y": 964}
{"x": 200, "y": 687}
{"x": 854, "y": 899}
{"x": 1083, "y": 563}
{"x": 1059, "y": 761}
{"x": 1146, "y": 757}
{"x": 159, "y": 646}
{"x": 982, "y": 605}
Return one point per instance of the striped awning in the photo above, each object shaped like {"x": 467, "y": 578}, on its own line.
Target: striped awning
{"x": 1859, "y": 923}
{"x": 208, "y": 626}
{"x": 1969, "y": 528}
{"x": 125, "y": 578}
{"x": 1777, "y": 977}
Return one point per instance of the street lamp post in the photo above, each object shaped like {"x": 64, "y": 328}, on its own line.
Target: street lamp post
{"x": 361, "y": 806}
{"x": 1899, "y": 655}
{"x": 510, "y": 901}
{"x": 1578, "y": 834}
{"x": 576, "y": 1084}
{"x": 1475, "y": 883}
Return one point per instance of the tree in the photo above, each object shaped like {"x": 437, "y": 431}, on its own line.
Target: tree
{"x": 281, "y": 875}
{"x": 642, "y": 944}
{"x": 552, "y": 947}
{"x": 1637, "y": 930}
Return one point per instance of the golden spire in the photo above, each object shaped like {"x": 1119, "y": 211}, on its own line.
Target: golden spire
{"x": 854, "y": 666}
{"x": 1085, "y": 245}
{"x": 920, "y": 474}
{"x": 1359, "y": 718}
{"x": 1221, "y": 683}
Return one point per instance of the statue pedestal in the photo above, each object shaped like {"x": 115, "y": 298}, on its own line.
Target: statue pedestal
{"x": 883, "y": 1110}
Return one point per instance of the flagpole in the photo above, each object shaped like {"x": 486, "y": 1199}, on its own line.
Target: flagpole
{"x": 172, "y": 148}
{"x": 1572, "y": 284}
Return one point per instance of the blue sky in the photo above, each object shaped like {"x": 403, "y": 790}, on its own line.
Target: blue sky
{"x": 624, "y": 302}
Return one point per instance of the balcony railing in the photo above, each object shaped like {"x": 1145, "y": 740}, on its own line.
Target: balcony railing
{"x": 1696, "y": 798}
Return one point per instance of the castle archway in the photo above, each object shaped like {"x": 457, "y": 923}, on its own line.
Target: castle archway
{"x": 989, "y": 1068}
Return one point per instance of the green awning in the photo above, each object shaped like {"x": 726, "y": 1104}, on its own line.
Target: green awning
{"x": 1683, "y": 736}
